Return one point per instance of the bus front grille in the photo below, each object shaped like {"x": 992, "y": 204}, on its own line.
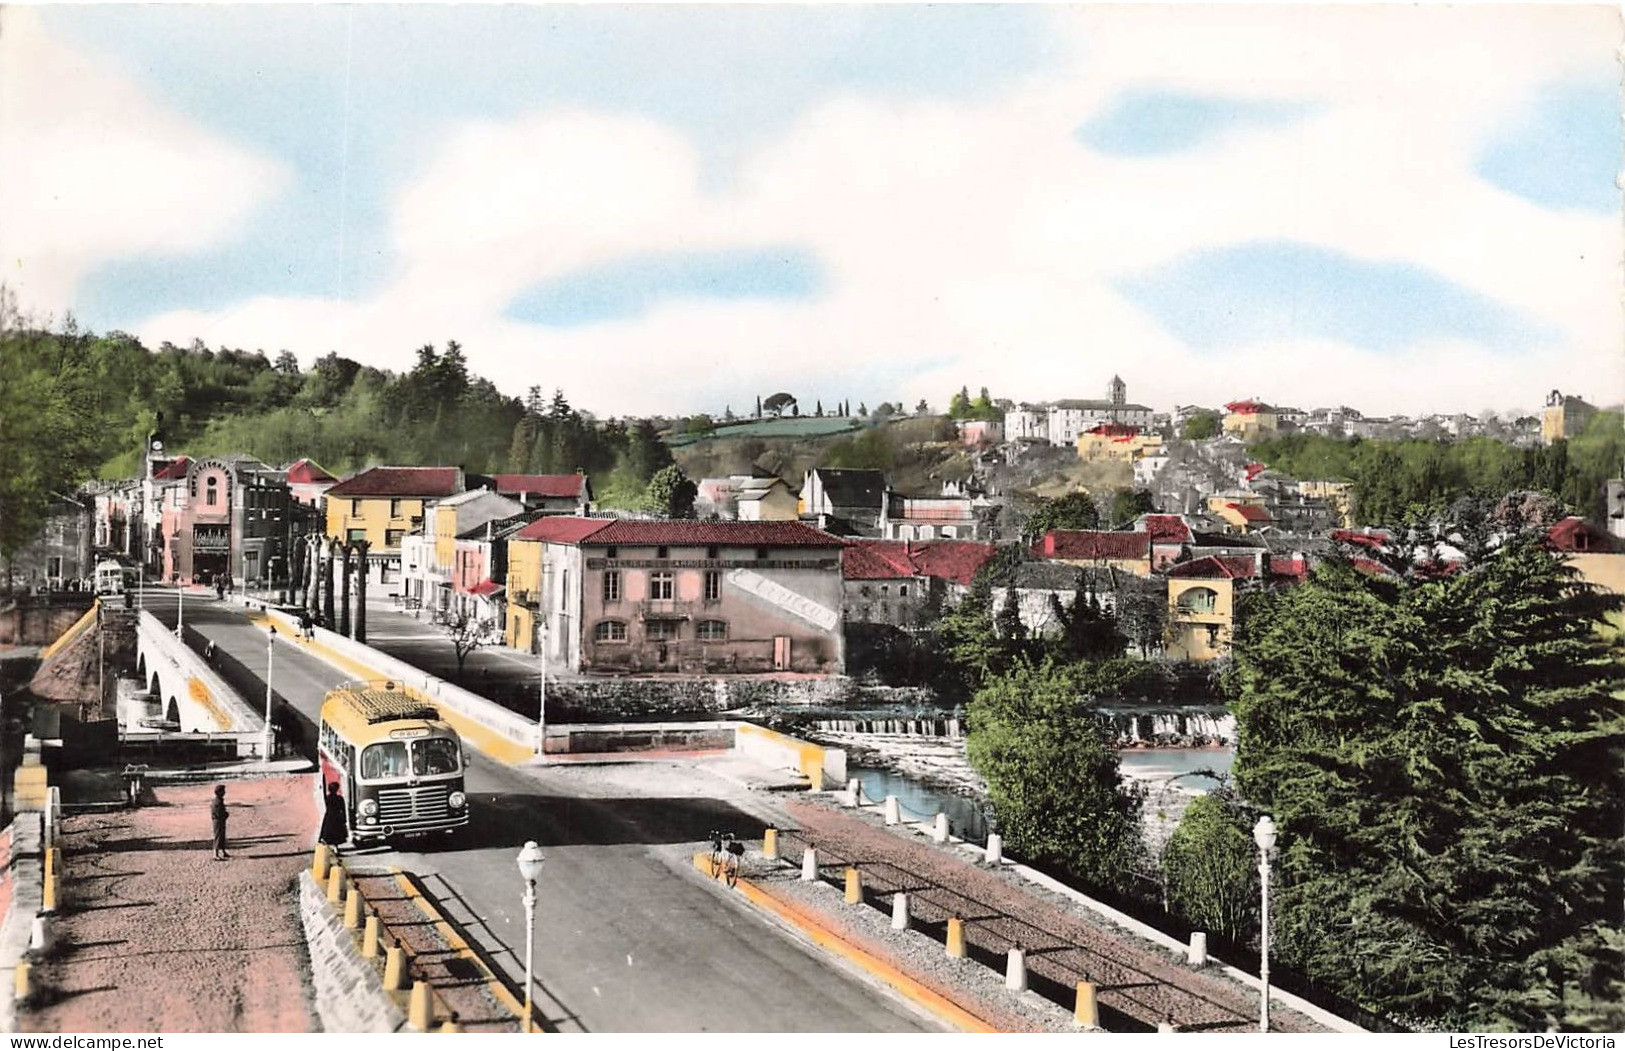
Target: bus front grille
{"x": 406, "y": 807}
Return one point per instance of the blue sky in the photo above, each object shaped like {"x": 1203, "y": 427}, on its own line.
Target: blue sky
{"x": 828, "y": 199}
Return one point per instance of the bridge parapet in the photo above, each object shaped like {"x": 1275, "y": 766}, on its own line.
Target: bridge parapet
{"x": 191, "y": 692}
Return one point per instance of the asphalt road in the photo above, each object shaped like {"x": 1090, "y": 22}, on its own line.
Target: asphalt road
{"x": 627, "y": 938}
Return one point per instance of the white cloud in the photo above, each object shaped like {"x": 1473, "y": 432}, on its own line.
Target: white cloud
{"x": 91, "y": 170}
{"x": 979, "y": 243}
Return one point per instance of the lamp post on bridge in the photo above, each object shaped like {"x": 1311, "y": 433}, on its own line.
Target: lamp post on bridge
{"x": 541, "y": 689}
{"x": 530, "y": 866}
{"x": 1264, "y": 836}
{"x": 270, "y": 734}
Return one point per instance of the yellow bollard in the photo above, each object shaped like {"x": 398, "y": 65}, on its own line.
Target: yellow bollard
{"x": 419, "y": 1011}
{"x": 956, "y": 937}
{"x": 369, "y": 938}
{"x": 52, "y": 860}
{"x": 335, "y": 884}
{"x": 353, "y": 909}
{"x": 320, "y": 863}
{"x": 22, "y": 991}
{"x": 394, "y": 968}
{"x": 854, "y": 886}
{"x": 816, "y": 780}
{"x": 450, "y": 1026}
{"x": 1087, "y": 1014}
{"x": 770, "y": 844}
{"x": 48, "y": 895}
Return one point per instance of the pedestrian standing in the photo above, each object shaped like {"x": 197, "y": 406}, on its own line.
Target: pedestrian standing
{"x": 217, "y": 816}
{"x": 335, "y": 820}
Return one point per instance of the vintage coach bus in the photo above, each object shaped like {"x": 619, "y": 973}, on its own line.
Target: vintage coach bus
{"x": 398, "y": 766}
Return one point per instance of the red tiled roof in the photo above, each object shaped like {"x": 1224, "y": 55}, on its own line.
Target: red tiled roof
{"x": 736, "y": 534}
{"x": 1251, "y": 512}
{"x": 1366, "y": 565}
{"x": 174, "y": 470}
{"x": 1254, "y": 470}
{"x": 1093, "y": 544}
{"x": 485, "y": 587}
{"x": 1114, "y": 430}
{"x": 876, "y": 560}
{"x": 1246, "y": 408}
{"x": 307, "y": 472}
{"x": 400, "y": 481}
{"x": 1295, "y": 567}
{"x": 954, "y": 560}
{"x": 1363, "y": 539}
{"x": 1576, "y": 534}
{"x": 561, "y": 486}
{"x": 1216, "y": 567}
{"x": 562, "y": 529}
{"x": 1167, "y": 529}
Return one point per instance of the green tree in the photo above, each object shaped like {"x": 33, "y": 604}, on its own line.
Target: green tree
{"x": 1442, "y": 755}
{"x": 778, "y": 403}
{"x": 1129, "y": 504}
{"x": 981, "y": 407}
{"x": 1210, "y": 869}
{"x": 1075, "y": 510}
{"x": 959, "y": 404}
{"x": 1052, "y": 773}
{"x": 671, "y": 493}
{"x": 1201, "y": 426}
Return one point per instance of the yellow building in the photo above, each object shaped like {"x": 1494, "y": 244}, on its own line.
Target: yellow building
{"x": 381, "y": 504}
{"x": 1565, "y": 417}
{"x": 1117, "y": 442}
{"x": 524, "y": 583}
{"x": 1336, "y": 495}
{"x": 1202, "y": 606}
{"x": 1245, "y": 512}
{"x": 1250, "y": 420}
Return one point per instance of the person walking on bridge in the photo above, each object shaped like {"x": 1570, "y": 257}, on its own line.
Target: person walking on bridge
{"x": 217, "y": 816}
{"x": 335, "y": 821}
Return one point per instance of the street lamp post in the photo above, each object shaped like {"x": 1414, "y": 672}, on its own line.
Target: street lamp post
{"x": 530, "y": 866}
{"x": 541, "y": 692}
{"x": 1264, "y": 836}
{"x": 140, "y": 586}
{"x": 180, "y": 610}
{"x": 270, "y": 734}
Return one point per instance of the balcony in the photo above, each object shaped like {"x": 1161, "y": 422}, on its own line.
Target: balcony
{"x": 666, "y": 609}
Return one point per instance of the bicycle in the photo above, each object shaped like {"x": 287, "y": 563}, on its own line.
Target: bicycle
{"x": 726, "y": 851}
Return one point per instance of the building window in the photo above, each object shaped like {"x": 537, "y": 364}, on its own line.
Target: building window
{"x": 713, "y": 585}
{"x": 353, "y": 535}
{"x": 661, "y": 585}
{"x": 53, "y": 566}
{"x": 211, "y": 494}
{"x": 660, "y": 630}
{"x": 662, "y": 552}
{"x": 712, "y": 630}
{"x": 355, "y": 508}
{"x": 902, "y": 590}
{"x": 711, "y": 552}
{"x": 1199, "y": 600}
{"x": 609, "y": 552}
{"x": 251, "y": 564}
{"x": 885, "y": 589}
{"x": 612, "y": 586}
{"x": 394, "y": 509}
{"x": 392, "y": 537}
{"x": 761, "y": 552}
{"x": 609, "y": 631}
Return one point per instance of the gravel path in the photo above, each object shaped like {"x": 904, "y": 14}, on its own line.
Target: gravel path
{"x": 154, "y": 935}
{"x": 1139, "y": 985}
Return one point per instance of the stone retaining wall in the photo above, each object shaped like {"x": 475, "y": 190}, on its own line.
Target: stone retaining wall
{"x": 348, "y": 996}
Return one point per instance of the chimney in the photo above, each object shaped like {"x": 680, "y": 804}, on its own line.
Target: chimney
{"x": 1049, "y": 544}
{"x": 1261, "y": 563}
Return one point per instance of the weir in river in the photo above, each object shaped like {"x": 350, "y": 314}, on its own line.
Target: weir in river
{"x": 1176, "y": 726}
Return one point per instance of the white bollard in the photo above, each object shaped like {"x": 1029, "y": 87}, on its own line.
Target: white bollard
{"x": 940, "y": 832}
{"x": 894, "y": 813}
{"x": 995, "y": 848}
{"x": 1166, "y": 1026}
{"x": 899, "y": 911}
{"x": 1015, "y": 970}
{"x": 1196, "y": 955}
{"x": 40, "y": 936}
{"x": 854, "y": 793}
{"x": 809, "y": 865}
